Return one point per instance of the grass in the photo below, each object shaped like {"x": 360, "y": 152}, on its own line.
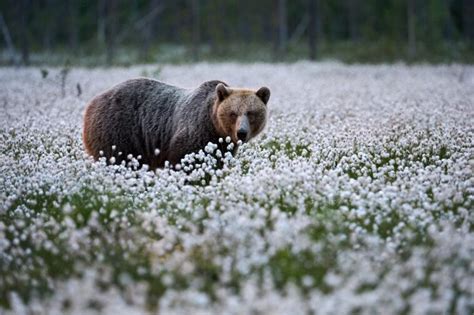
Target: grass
{"x": 107, "y": 243}
{"x": 376, "y": 51}
{"x": 348, "y": 215}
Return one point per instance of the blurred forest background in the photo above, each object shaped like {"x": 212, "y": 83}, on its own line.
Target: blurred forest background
{"x": 109, "y": 32}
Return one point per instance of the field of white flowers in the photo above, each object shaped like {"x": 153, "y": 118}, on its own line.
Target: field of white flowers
{"x": 356, "y": 199}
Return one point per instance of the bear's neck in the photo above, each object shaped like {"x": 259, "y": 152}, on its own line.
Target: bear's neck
{"x": 215, "y": 121}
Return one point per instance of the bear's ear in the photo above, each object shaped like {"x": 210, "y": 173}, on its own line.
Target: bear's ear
{"x": 264, "y": 94}
{"x": 222, "y": 92}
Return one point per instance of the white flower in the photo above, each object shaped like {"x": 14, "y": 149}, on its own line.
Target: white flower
{"x": 363, "y": 174}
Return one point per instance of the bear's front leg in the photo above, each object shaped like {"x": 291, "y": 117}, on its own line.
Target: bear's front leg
{"x": 179, "y": 147}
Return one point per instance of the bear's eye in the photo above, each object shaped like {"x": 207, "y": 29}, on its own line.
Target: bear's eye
{"x": 252, "y": 115}
{"x": 233, "y": 115}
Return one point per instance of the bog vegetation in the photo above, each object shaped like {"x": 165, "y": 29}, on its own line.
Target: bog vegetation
{"x": 357, "y": 198}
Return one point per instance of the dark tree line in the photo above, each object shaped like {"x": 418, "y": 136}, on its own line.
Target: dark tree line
{"x": 105, "y": 25}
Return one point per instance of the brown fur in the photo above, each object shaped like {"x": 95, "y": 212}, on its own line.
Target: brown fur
{"x": 141, "y": 115}
{"x": 230, "y": 111}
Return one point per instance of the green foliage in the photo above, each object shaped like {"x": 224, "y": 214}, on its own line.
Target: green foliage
{"x": 44, "y": 73}
{"x": 288, "y": 267}
{"x": 59, "y": 260}
{"x": 292, "y": 150}
{"x": 352, "y": 31}
{"x": 154, "y": 73}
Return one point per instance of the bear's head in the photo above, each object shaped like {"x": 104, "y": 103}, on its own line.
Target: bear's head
{"x": 240, "y": 113}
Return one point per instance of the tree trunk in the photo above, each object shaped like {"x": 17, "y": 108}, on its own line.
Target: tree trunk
{"x": 8, "y": 39}
{"x": 216, "y": 26}
{"x": 110, "y": 30}
{"x": 468, "y": 19}
{"x": 411, "y": 19}
{"x": 353, "y": 17}
{"x": 49, "y": 27}
{"x": 24, "y": 11}
{"x": 195, "y": 29}
{"x": 101, "y": 22}
{"x": 313, "y": 8}
{"x": 149, "y": 31}
{"x": 448, "y": 24}
{"x": 282, "y": 27}
{"x": 73, "y": 29}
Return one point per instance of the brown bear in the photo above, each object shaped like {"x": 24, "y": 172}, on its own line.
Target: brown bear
{"x": 156, "y": 122}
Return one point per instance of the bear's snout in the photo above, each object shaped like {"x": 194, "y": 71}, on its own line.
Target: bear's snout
{"x": 244, "y": 129}
{"x": 242, "y": 135}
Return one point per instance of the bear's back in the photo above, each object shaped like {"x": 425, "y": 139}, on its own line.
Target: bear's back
{"x": 133, "y": 117}
{"x": 141, "y": 115}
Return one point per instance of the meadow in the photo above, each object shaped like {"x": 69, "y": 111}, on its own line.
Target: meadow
{"x": 356, "y": 199}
